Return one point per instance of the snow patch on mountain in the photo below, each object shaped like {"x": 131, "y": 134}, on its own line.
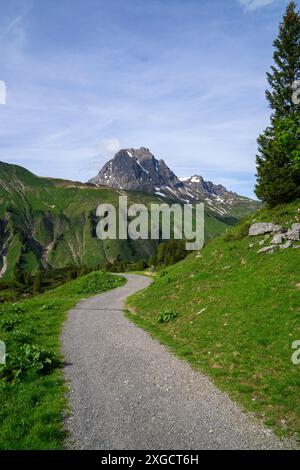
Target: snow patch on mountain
{"x": 138, "y": 169}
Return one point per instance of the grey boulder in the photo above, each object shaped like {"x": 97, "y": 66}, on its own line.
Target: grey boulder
{"x": 260, "y": 228}
{"x": 293, "y": 234}
{"x": 277, "y": 239}
{"x": 267, "y": 249}
{"x": 286, "y": 245}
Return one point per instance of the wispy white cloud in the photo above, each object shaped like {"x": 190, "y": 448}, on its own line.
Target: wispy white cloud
{"x": 11, "y": 26}
{"x": 251, "y": 5}
{"x": 110, "y": 146}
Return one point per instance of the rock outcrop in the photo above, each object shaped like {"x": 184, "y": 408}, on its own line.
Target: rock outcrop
{"x": 282, "y": 237}
{"x": 260, "y": 228}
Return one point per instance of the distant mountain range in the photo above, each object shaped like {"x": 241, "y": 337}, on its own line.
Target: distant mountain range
{"x": 139, "y": 170}
{"x": 50, "y": 223}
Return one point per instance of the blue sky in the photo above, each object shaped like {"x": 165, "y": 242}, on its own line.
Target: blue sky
{"x": 184, "y": 78}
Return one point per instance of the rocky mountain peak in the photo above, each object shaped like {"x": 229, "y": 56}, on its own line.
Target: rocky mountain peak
{"x": 142, "y": 152}
{"x": 197, "y": 183}
{"x": 136, "y": 169}
{"x": 139, "y": 170}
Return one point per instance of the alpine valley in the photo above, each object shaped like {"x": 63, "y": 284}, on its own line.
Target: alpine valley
{"x": 50, "y": 223}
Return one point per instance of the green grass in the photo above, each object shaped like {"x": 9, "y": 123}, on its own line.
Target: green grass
{"x": 238, "y": 314}
{"x": 32, "y": 390}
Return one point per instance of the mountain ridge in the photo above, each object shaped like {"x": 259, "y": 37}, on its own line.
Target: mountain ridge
{"x": 50, "y": 223}
{"x": 139, "y": 170}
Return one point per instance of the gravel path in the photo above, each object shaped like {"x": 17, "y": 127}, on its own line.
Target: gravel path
{"x": 128, "y": 392}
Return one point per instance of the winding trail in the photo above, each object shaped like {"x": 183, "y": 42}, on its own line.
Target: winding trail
{"x": 128, "y": 392}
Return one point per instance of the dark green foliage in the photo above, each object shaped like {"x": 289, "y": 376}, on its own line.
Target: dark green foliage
{"x": 278, "y": 168}
{"x": 26, "y": 285}
{"x": 278, "y": 179}
{"x": 288, "y": 138}
{"x": 152, "y": 261}
{"x": 239, "y": 233}
{"x": 121, "y": 267}
{"x": 116, "y": 267}
{"x": 19, "y": 276}
{"x": 170, "y": 252}
{"x": 37, "y": 284}
{"x": 286, "y": 68}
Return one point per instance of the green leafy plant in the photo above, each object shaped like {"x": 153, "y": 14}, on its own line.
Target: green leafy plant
{"x": 167, "y": 315}
{"x": 29, "y": 358}
{"x": 49, "y": 306}
{"x": 9, "y": 323}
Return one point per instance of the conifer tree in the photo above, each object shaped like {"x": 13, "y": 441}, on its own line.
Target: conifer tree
{"x": 287, "y": 65}
{"x": 278, "y": 172}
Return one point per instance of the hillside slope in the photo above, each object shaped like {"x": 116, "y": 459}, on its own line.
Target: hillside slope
{"x": 47, "y": 223}
{"x": 50, "y": 223}
{"x": 238, "y": 315}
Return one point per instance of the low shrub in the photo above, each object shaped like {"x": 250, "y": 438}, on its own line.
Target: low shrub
{"x": 167, "y": 315}
{"x": 238, "y": 233}
{"x": 95, "y": 282}
{"x": 28, "y": 359}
